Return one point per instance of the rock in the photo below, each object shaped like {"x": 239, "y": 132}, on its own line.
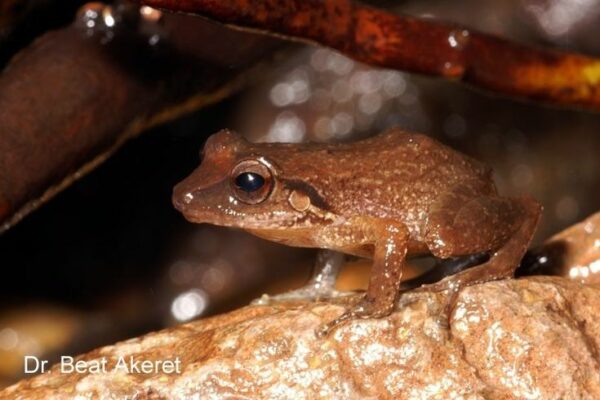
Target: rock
{"x": 573, "y": 253}
{"x": 532, "y": 338}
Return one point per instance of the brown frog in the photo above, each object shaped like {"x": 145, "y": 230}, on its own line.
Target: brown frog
{"x": 394, "y": 195}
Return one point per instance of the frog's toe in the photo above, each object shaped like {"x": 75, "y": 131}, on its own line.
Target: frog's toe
{"x": 446, "y": 284}
{"x": 263, "y": 300}
{"x": 327, "y": 328}
{"x": 366, "y": 308}
{"x": 307, "y": 293}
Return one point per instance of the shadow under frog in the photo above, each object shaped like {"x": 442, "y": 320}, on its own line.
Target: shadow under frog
{"x": 388, "y": 197}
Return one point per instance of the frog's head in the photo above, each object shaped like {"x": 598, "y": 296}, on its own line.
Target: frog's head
{"x": 240, "y": 184}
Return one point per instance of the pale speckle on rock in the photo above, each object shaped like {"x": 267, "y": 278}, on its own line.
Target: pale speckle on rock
{"x": 532, "y": 338}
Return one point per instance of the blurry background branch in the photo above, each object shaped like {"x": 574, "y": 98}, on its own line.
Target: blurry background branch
{"x": 74, "y": 96}
{"x": 23, "y": 20}
{"x": 411, "y": 44}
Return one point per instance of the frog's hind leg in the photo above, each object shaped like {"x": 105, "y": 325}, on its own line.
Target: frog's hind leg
{"x": 321, "y": 284}
{"x": 507, "y": 225}
{"x": 445, "y": 267}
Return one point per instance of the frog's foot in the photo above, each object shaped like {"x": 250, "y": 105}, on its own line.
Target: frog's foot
{"x": 498, "y": 267}
{"x": 366, "y": 308}
{"x": 314, "y": 292}
{"x": 321, "y": 285}
{"x": 455, "y": 283}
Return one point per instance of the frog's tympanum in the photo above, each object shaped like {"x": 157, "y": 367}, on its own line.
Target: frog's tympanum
{"x": 391, "y": 196}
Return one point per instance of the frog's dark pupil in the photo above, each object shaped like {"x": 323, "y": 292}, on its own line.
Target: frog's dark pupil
{"x": 249, "y": 181}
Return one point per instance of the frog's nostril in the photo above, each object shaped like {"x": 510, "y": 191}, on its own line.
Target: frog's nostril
{"x": 181, "y": 202}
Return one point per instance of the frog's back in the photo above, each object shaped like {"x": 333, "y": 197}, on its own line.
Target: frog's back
{"x": 399, "y": 174}
{"x": 397, "y": 151}
{"x": 396, "y": 174}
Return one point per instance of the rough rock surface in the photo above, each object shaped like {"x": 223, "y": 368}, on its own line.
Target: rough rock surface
{"x": 533, "y": 338}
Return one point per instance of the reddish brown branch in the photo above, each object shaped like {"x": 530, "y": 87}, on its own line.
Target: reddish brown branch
{"x": 393, "y": 41}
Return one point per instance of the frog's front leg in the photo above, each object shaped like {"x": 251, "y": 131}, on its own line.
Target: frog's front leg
{"x": 389, "y": 240}
{"x": 321, "y": 284}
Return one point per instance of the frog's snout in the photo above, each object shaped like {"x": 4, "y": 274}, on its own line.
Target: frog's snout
{"x": 182, "y": 196}
{"x": 196, "y": 201}
{"x": 178, "y": 198}
{"x": 204, "y": 194}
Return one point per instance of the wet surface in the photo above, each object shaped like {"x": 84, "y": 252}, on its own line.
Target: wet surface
{"x": 498, "y": 344}
{"x": 573, "y": 253}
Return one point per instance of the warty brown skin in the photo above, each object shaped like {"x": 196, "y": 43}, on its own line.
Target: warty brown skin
{"x": 394, "y": 195}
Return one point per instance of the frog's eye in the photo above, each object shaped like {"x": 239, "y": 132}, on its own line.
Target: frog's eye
{"x": 251, "y": 181}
